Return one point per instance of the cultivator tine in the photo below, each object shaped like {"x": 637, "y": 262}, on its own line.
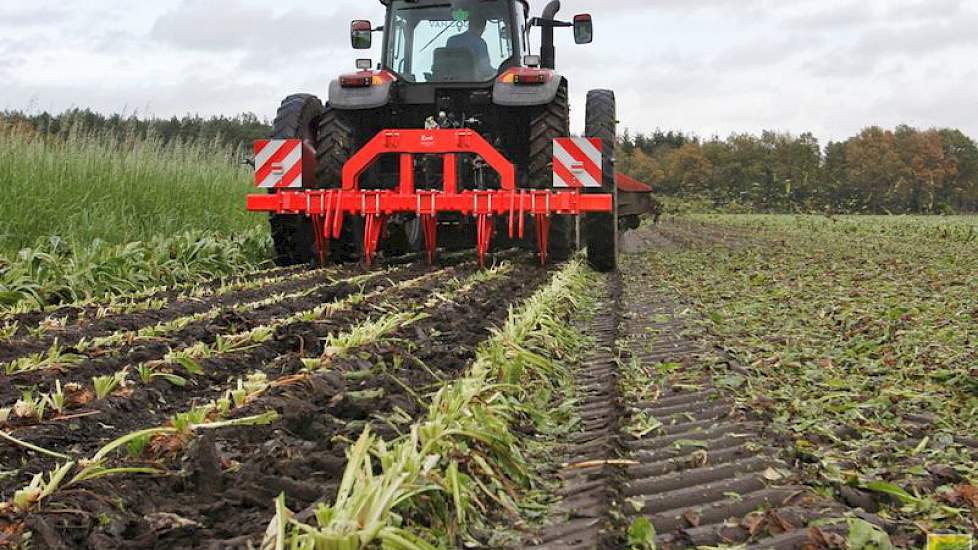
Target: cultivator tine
{"x": 429, "y": 226}
{"x": 543, "y": 236}
{"x": 318, "y": 227}
{"x": 373, "y": 227}
{"x": 484, "y": 229}
{"x": 338, "y": 215}
{"x": 512, "y": 214}
{"x": 522, "y": 215}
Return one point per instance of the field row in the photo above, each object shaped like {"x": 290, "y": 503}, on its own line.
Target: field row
{"x": 187, "y": 427}
{"x": 854, "y": 340}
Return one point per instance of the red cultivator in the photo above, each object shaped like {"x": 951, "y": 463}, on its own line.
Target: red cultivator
{"x": 281, "y": 165}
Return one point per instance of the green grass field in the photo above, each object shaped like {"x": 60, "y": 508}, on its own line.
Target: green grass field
{"x": 91, "y": 216}
{"x": 93, "y": 187}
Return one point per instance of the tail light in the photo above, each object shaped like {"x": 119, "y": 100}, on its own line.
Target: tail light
{"x": 357, "y": 80}
{"x": 365, "y": 79}
{"x": 526, "y": 76}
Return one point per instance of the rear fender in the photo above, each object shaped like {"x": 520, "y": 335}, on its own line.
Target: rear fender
{"x": 355, "y": 98}
{"x": 507, "y": 94}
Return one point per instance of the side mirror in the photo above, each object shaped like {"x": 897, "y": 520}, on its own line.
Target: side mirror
{"x": 361, "y": 34}
{"x": 583, "y": 29}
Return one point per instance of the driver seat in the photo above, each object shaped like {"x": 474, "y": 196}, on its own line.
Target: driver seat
{"x": 453, "y": 65}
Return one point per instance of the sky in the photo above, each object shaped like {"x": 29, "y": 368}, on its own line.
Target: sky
{"x": 711, "y": 67}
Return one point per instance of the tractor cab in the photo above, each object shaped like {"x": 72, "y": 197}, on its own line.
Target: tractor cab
{"x": 464, "y": 41}
{"x": 461, "y": 41}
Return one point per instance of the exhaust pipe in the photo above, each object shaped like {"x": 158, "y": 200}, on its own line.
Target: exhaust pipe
{"x": 548, "y": 53}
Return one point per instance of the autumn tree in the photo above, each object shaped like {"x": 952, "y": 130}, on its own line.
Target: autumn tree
{"x": 960, "y": 190}
{"x": 689, "y": 169}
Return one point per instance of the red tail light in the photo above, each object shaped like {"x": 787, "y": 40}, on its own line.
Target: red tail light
{"x": 357, "y": 81}
{"x": 365, "y": 79}
{"x": 526, "y": 76}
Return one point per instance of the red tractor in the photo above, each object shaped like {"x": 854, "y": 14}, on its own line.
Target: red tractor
{"x": 459, "y": 136}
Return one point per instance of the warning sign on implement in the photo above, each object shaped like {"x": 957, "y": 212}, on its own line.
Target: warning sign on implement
{"x": 577, "y": 162}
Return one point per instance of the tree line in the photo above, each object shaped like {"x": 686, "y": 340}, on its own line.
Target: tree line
{"x": 904, "y": 170}
{"x": 225, "y": 131}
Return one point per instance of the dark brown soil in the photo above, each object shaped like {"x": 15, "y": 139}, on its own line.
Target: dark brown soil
{"x": 151, "y": 405}
{"x": 107, "y": 361}
{"x": 221, "y": 488}
{"x": 95, "y": 328}
{"x": 72, "y": 314}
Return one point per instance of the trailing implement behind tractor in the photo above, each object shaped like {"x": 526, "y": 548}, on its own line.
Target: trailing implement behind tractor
{"x": 457, "y": 137}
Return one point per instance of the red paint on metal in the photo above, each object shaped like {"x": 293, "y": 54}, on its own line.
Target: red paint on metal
{"x": 631, "y": 185}
{"x": 328, "y": 207}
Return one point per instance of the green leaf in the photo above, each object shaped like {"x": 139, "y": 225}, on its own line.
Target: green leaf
{"x": 191, "y": 366}
{"x": 892, "y": 490}
{"x": 641, "y": 534}
{"x": 866, "y": 536}
{"x": 174, "y": 379}
{"x": 10, "y": 298}
{"x": 731, "y": 381}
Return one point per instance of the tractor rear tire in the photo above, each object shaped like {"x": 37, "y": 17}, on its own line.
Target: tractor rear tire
{"x": 337, "y": 143}
{"x": 601, "y": 229}
{"x": 551, "y": 123}
{"x": 292, "y": 235}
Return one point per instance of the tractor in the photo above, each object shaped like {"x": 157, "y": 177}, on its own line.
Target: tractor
{"x": 459, "y": 136}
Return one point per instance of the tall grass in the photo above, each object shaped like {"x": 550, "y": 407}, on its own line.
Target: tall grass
{"x": 88, "y": 185}
{"x": 89, "y": 215}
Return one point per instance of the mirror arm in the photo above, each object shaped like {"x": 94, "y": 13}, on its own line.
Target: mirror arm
{"x": 553, "y": 23}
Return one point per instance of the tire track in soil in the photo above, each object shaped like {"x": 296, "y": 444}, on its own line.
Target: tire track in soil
{"x": 303, "y": 454}
{"x": 686, "y": 235}
{"x": 151, "y": 405}
{"x": 110, "y": 360}
{"x": 711, "y": 475}
{"x": 588, "y": 489}
{"x": 701, "y": 477}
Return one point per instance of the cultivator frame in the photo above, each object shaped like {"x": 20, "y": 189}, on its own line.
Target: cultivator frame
{"x": 328, "y": 207}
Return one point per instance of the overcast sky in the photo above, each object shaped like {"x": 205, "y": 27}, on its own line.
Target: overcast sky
{"x": 708, "y": 66}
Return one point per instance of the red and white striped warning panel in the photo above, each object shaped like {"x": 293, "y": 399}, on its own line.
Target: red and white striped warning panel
{"x": 278, "y": 163}
{"x": 577, "y": 162}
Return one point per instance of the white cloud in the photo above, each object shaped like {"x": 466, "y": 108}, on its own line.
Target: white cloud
{"x": 709, "y": 66}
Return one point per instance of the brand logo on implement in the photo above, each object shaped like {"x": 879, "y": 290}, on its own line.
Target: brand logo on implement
{"x": 577, "y": 162}
{"x": 278, "y": 163}
{"x": 950, "y": 542}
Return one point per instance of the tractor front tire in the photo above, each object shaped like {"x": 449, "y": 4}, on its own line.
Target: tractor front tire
{"x": 601, "y": 229}
{"x": 552, "y": 122}
{"x": 292, "y": 235}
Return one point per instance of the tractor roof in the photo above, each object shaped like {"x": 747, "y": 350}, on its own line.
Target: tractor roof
{"x": 388, "y": 2}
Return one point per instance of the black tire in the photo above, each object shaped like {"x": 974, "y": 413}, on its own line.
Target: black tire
{"x": 601, "y": 230}
{"x": 552, "y": 122}
{"x": 337, "y": 143}
{"x": 293, "y": 236}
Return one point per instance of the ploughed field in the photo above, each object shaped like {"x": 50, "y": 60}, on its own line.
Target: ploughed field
{"x": 759, "y": 382}
{"x": 847, "y": 349}
{"x": 288, "y": 366}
